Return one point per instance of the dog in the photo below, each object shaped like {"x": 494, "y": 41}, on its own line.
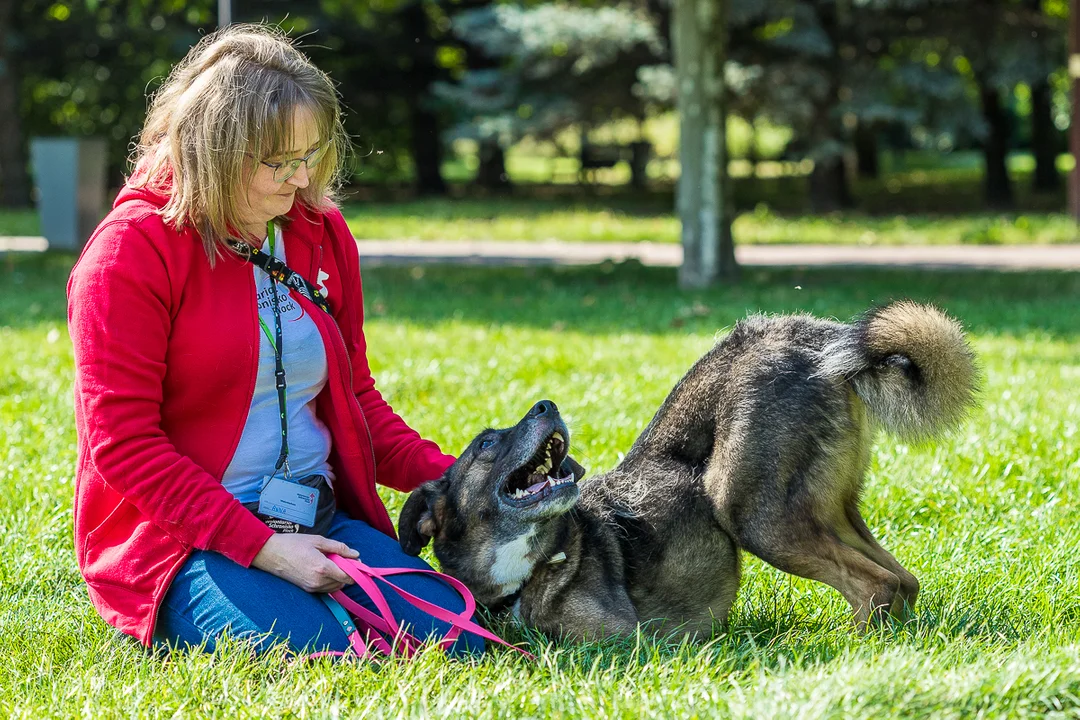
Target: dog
{"x": 763, "y": 446}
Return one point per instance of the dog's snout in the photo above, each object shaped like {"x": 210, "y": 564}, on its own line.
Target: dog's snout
{"x": 542, "y": 408}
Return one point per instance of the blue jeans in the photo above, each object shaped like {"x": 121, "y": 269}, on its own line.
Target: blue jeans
{"x": 212, "y": 596}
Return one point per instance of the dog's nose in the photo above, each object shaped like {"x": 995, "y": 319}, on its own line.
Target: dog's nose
{"x": 542, "y": 408}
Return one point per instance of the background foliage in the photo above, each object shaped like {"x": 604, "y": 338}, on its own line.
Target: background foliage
{"x": 440, "y": 90}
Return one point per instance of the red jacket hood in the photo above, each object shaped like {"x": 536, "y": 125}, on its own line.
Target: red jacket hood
{"x": 144, "y": 194}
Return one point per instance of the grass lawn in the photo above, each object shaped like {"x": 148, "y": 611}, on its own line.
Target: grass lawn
{"x": 628, "y": 220}
{"x": 913, "y": 203}
{"x": 987, "y": 518}
{"x": 19, "y": 222}
{"x": 919, "y": 199}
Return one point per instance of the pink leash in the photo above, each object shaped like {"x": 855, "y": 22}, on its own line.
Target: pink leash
{"x": 379, "y": 627}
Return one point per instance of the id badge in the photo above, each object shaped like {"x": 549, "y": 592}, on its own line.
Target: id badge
{"x": 289, "y": 501}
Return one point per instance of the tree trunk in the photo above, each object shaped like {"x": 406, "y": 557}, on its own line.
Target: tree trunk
{"x": 492, "y": 172}
{"x": 426, "y": 141}
{"x": 999, "y": 192}
{"x": 828, "y": 181}
{"x": 1044, "y": 139}
{"x": 829, "y": 186}
{"x": 427, "y": 151}
{"x": 699, "y": 39}
{"x": 14, "y": 180}
{"x": 866, "y": 152}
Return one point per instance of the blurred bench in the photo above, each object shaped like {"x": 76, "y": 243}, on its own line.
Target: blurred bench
{"x": 596, "y": 157}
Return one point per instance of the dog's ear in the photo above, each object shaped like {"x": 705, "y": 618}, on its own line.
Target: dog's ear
{"x": 574, "y": 467}
{"x": 421, "y": 517}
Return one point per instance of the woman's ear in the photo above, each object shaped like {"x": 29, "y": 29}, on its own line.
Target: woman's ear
{"x": 421, "y": 517}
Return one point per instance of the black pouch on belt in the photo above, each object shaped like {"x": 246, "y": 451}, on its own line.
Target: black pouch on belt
{"x": 324, "y": 513}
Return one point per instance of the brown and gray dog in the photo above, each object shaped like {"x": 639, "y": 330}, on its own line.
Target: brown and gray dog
{"x": 763, "y": 446}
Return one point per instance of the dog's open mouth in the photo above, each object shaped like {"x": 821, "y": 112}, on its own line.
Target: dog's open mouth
{"x": 541, "y": 475}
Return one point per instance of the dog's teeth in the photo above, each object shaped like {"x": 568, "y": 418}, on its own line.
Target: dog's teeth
{"x": 558, "y": 436}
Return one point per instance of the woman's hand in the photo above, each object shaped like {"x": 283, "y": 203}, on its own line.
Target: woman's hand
{"x": 301, "y": 559}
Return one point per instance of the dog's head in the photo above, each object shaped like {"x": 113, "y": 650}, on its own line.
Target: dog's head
{"x": 499, "y": 489}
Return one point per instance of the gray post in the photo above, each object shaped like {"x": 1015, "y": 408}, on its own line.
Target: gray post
{"x": 70, "y": 175}
{"x": 699, "y": 40}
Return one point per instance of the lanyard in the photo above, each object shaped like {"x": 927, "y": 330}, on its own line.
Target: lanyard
{"x": 279, "y": 364}
{"x": 279, "y": 271}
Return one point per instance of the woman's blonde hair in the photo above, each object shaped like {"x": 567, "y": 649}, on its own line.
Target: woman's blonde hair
{"x": 229, "y": 101}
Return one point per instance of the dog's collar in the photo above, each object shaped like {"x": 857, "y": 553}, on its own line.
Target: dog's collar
{"x": 507, "y": 601}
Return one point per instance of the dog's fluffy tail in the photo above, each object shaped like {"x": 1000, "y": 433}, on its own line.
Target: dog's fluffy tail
{"x": 910, "y": 364}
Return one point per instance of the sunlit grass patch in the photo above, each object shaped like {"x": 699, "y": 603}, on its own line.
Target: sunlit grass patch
{"x": 986, "y": 517}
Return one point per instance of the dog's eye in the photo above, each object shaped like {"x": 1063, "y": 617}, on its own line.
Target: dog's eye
{"x": 486, "y": 443}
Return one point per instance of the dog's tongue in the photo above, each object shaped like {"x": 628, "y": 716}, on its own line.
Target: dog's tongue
{"x": 537, "y": 487}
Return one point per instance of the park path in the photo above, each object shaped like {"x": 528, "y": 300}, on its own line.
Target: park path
{"x": 484, "y": 252}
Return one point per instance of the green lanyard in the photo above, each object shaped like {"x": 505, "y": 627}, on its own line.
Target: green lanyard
{"x": 277, "y": 270}
{"x": 272, "y": 236}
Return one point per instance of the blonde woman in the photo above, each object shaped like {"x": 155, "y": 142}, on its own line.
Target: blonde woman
{"x": 206, "y": 386}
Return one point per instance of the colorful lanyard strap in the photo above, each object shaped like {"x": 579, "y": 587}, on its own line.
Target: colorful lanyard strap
{"x": 279, "y": 272}
{"x": 279, "y": 363}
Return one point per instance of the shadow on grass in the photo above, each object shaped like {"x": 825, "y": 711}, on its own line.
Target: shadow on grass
{"x": 629, "y": 297}
{"x": 756, "y": 639}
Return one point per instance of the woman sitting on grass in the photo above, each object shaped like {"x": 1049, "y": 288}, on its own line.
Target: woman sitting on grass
{"x": 208, "y": 390}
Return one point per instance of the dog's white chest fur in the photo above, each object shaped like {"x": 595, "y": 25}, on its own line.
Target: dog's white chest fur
{"x": 512, "y": 564}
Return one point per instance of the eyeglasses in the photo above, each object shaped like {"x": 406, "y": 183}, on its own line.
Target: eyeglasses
{"x": 287, "y": 168}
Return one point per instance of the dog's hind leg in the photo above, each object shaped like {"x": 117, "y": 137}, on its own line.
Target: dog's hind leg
{"x": 818, "y": 554}
{"x": 865, "y": 542}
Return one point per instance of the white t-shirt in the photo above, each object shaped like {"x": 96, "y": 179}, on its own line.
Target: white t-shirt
{"x": 304, "y": 358}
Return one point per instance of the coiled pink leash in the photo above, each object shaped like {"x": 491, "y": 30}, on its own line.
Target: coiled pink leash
{"x": 382, "y": 630}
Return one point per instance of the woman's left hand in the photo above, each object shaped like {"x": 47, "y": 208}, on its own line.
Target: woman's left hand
{"x": 301, "y": 559}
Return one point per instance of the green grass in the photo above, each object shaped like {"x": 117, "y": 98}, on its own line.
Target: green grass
{"x": 913, "y": 203}
{"x": 987, "y": 518}
{"x": 649, "y": 219}
{"x": 616, "y": 220}
{"x": 19, "y": 222}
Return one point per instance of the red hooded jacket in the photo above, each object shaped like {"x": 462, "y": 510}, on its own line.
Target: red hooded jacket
{"x": 166, "y": 352}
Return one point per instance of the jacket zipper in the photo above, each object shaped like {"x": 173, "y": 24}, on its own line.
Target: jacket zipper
{"x": 349, "y": 375}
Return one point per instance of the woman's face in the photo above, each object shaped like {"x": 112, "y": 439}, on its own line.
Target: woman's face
{"x": 267, "y": 199}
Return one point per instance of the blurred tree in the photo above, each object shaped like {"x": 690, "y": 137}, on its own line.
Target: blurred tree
{"x": 544, "y": 67}
{"x": 384, "y": 56}
{"x": 90, "y": 63}
{"x": 1048, "y": 38}
{"x": 699, "y": 39}
{"x": 994, "y": 46}
{"x": 840, "y": 73}
{"x": 86, "y": 66}
{"x": 818, "y": 67}
{"x": 14, "y": 179}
